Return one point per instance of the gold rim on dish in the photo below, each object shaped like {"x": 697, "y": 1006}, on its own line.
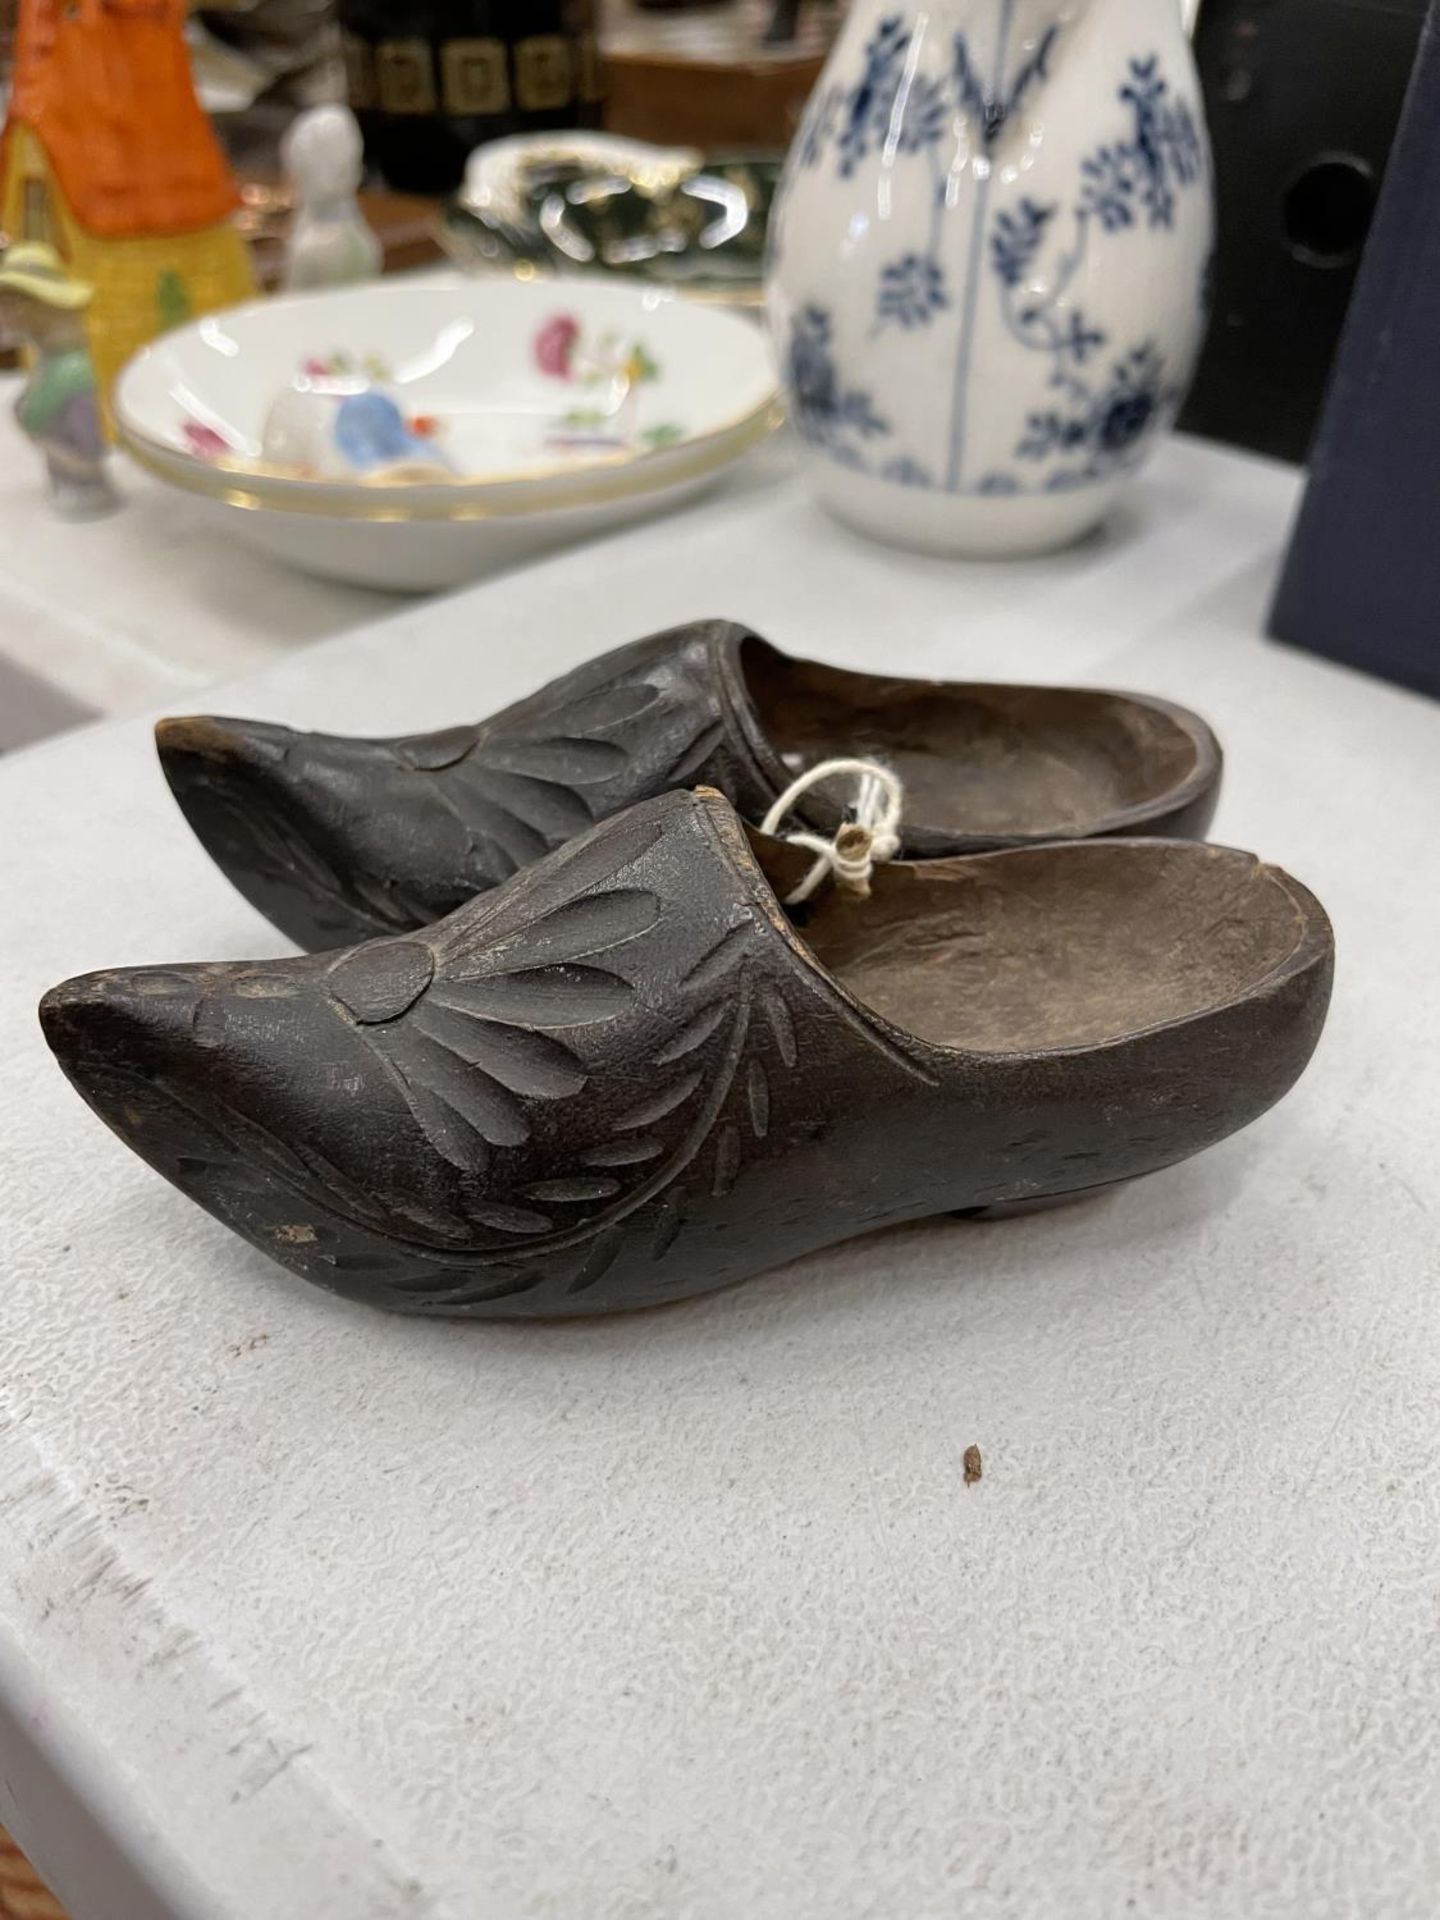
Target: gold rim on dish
{"x": 599, "y": 482}
{"x": 286, "y": 477}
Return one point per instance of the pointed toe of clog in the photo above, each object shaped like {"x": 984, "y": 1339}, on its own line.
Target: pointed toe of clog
{"x": 208, "y": 760}
{"x": 209, "y": 1073}
{"x": 114, "y": 1034}
{"x": 113, "y": 1015}
{"x": 285, "y": 816}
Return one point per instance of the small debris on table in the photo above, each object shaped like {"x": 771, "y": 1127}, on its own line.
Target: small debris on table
{"x": 974, "y": 1466}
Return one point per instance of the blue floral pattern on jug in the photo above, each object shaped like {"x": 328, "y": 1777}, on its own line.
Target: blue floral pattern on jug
{"x": 912, "y": 291}
{"x": 1110, "y": 397}
{"x": 828, "y": 416}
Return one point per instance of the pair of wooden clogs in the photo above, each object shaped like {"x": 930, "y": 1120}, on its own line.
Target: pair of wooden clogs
{"x": 576, "y": 1053}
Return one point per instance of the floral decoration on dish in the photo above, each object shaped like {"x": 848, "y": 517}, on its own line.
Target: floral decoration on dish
{"x": 612, "y": 371}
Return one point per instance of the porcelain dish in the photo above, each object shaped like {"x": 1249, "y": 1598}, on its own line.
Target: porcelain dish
{"x": 413, "y": 433}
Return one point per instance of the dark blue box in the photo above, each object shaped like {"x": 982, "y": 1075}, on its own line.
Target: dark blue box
{"x": 1362, "y": 579}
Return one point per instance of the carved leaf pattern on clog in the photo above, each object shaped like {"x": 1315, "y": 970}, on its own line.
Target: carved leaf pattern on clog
{"x": 521, "y": 789}
{"x": 479, "y": 1025}
{"x": 473, "y": 1050}
{"x": 690, "y": 1137}
{"x": 499, "y": 796}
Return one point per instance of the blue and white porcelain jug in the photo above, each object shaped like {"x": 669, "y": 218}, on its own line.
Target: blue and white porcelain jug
{"x": 988, "y": 260}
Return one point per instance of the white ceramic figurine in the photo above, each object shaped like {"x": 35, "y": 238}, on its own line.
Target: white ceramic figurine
{"x": 329, "y": 245}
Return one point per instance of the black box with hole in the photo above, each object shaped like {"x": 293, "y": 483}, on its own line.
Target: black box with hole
{"x": 1302, "y": 97}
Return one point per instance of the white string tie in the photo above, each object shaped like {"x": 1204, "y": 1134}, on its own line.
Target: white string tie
{"x": 859, "y": 845}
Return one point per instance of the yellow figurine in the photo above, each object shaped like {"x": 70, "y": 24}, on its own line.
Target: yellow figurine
{"x": 109, "y": 158}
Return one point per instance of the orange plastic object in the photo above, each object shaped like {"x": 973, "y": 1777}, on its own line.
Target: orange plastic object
{"x": 105, "y": 86}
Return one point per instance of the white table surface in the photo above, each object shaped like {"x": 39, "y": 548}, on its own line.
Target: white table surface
{"x": 309, "y": 1612}
{"x": 147, "y": 604}
{"x": 152, "y": 603}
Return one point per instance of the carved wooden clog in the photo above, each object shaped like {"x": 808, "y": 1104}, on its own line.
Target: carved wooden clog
{"x": 623, "y": 1076}
{"x": 338, "y": 839}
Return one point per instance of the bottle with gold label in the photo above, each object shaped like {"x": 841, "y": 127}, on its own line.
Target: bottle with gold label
{"x": 430, "y": 79}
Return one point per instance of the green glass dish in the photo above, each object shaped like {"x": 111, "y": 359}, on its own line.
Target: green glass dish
{"x": 692, "y": 222}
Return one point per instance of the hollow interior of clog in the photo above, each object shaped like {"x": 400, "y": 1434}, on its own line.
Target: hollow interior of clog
{"x": 977, "y": 761}
{"x": 1059, "y": 946}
